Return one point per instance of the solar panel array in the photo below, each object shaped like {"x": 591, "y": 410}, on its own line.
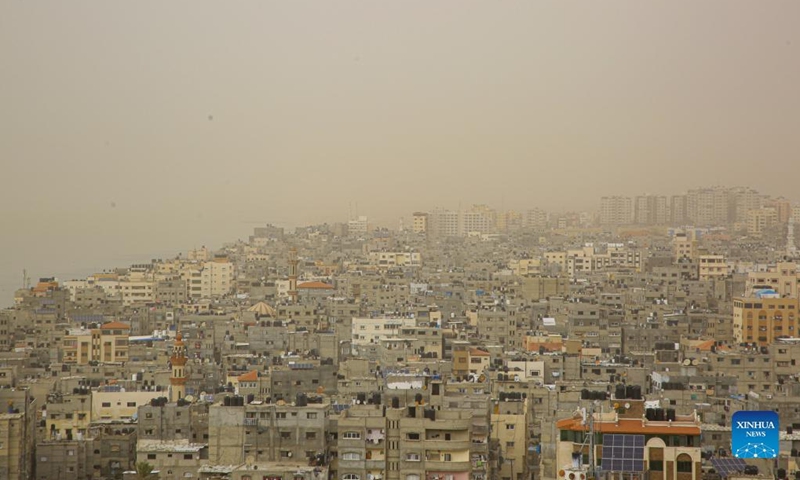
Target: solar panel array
{"x": 727, "y": 466}
{"x": 623, "y": 453}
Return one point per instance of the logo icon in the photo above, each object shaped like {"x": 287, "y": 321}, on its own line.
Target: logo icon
{"x": 755, "y": 434}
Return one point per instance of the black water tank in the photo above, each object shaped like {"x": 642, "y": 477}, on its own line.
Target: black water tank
{"x": 250, "y": 398}
{"x": 637, "y": 389}
{"x": 789, "y": 430}
{"x": 361, "y": 398}
{"x": 781, "y": 473}
{"x": 671, "y": 414}
{"x": 226, "y": 401}
{"x": 412, "y": 412}
{"x": 650, "y": 414}
{"x": 619, "y": 391}
{"x": 418, "y": 398}
{"x": 395, "y": 402}
{"x": 301, "y": 400}
{"x": 584, "y": 394}
{"x": 376, "y": 398}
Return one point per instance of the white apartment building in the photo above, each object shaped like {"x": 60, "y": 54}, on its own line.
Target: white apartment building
{"x": 367, "y": 331}
{"x": 616, "y": 210}
{"x": 216, "y": 278}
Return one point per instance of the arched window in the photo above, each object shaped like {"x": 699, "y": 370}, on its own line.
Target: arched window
{"x": 683, "y": 464}
{"x": 412, "y": 476}
{"x": 350, "y": 476}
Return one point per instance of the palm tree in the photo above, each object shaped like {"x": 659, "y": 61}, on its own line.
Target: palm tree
{"x": 144, "y": 471}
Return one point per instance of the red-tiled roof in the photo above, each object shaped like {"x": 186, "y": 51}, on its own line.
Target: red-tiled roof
{"x": 250, "y": 376}
{"x": 628, "y": 425}
{"x": 115, "y": 326}
{"x": 316, "y": 285}
{"x": 475, "y": 352}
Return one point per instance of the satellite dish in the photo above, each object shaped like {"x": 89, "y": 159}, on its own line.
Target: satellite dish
{"x": 687, "y": 362}
{"x": 627, "y": 406}
{"x": 189, "y": 398}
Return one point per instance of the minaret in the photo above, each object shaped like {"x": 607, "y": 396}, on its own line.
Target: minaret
{"x": 178, "y": 361}
{"x": 791, "y": 248}
{"x": 293, "y": 275}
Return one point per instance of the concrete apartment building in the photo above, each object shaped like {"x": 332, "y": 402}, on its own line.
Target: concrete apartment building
{"x": 173, "y": 422}
{"x": 616, "y": 210}
{"x": 173, "y": 460}
{"x": 764, "y": 317}
{"x": 419, "y": 222}
{"x": 108, "y": 343}
{"x": 535, "y": 218}
{"x": 267, "y": 432}
{"x": 510, "y": 431}
{"x": 783, "y": 277}
{"x": 677, "y": 210}
{"x": 708, "y": 206}
{"x": 17, "y": 434}
{"x": 105, "y": 452}
{"x": 711, "y": 267}
{"x": 651, "y": 210}
{"x": 427, "y": 442}
{"x": 761, "y": 220}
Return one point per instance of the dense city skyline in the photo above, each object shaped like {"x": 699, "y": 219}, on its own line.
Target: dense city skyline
{"x": 133, "y": 132}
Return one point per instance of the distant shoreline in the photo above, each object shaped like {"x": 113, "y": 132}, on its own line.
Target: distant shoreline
{"x": 10, "y": 282}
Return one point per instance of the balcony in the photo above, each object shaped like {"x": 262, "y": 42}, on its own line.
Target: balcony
{"x": 454, "y": 467}
{"x": 448, "y": 445}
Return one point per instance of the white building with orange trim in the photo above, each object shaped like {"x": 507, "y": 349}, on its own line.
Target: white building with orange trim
{"x": 672, "y": 443}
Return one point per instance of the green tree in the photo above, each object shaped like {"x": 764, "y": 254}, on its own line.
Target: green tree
{"x": 144, "y": 471}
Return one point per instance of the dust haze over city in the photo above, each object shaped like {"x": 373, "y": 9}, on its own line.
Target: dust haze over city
{"x": 151, "y": 127}
{"x": 399, "y": 240}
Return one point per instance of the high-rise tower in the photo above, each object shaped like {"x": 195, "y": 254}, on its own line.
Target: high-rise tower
{"x": 791, "y": 248}
{"x": 177, "y": 380}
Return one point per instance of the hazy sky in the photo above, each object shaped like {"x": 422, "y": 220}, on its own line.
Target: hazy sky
{"x": 141, "y": 127}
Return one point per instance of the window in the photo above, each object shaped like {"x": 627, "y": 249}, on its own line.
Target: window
{"x": 412, "y": 476}
{"x": 151, "y": 456}
{"x": 350, "y": 476}
{"x": 351, "y": 436}
{"x": 311, "y": 415}
{"x": 412, "y": 436}
{"x": 448, "y": 457}
{"x": 187, "y": 456}
{"x": 657, "y": 465}
{"x": 311, "y": 435}
{"x": 684, "y": 467}
{"x": 412, "y": 457}
{"x": 131, "y": 404}
{"x": 106, "y": 405}
{"x": 351, "y": 456}
{"x": 509, "y": 426}
{"x": 280, "y": 414}
{"x": 286, "y": 435}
